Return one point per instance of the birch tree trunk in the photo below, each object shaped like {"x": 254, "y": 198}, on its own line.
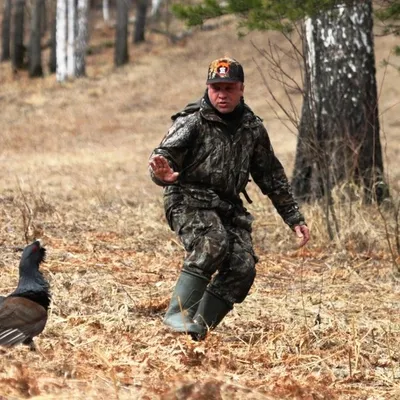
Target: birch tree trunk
{"x": 18, "y": 36}
{"x": 106, "y": 11}
{"x": 81, "y": 38}
{"x": 35, "y": 48}
{"x": 155, "y": 7}
{"x": 71, "y": 17}
{"x": 140, "y": 21}
{"x": 6, "y": 31}
{"x": 339, "y": 129}
{"x": 61, "y": 40}
{"x": 121, "y": 39}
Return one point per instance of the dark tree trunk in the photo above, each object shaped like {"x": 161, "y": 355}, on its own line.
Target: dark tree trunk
{"x": 53, "y": 45}
{"x": 339, "y": 129}
{"x": 5, "y": 32}
{"x": 140, "y": 22}
{"x": 121, "y": 37}
{"x": 35, "y": 48}
{"x": 44, "y": 23}
{"x": 18, "y": 36}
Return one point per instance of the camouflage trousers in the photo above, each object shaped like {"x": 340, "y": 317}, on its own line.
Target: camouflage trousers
{"x": 220, "y": 243}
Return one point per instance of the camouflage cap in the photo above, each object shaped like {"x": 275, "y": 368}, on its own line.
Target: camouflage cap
{"x": 225, "y": 70}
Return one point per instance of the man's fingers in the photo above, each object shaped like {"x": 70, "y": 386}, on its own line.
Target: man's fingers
{"x": 158, "y": 163}
{"x": 162, "y": 169}
{"x": 298, "y": 231}
{"x": 302, "y": 233}
{"x": 303, "y": 242}
{"x": 153, "y": 165}
{"x": 172, "y": 177}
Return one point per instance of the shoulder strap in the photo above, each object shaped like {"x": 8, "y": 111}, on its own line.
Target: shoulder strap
{"x": 189, "y": 109}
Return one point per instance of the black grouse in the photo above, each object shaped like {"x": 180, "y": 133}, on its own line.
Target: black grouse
{"x": 23, "y": 313}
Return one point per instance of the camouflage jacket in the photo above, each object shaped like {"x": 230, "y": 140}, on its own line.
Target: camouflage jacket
{"x": 215, "y": 164}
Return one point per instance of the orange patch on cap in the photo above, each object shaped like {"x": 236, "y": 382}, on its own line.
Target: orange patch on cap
{"x": 219, "y": 68}
{"x": 222, "y": 69}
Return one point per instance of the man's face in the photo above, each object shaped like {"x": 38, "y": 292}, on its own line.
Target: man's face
{"x": 225, "y": 96}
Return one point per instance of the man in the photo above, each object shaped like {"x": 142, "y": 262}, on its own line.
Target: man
{"x": 204, "y": 163}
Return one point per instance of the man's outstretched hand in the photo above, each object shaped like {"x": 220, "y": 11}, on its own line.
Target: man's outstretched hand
{"x": 302, "y": 233}
{"x": 162, "y": 170}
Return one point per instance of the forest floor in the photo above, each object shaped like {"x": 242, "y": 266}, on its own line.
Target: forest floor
{"x": 321, "y": 322}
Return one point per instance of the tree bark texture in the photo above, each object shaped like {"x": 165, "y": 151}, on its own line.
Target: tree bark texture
{"x": 155, "y": 7}
{"x": 339, "y": 139}
{"x": 81, "y": 38}
{"x": 71, "y": 17}
{"x": 61, "y": 40}
{"x": 43, "y": 18}
{"x": 121, "y": 37}
{"x": 53, "y": 45}
{"x": 35, "y": 48}
{"x": 106, "y": 11}
{"x": 140, "y": 21}
{"x": 6, "y": 31}
{"x": 18, "y": 53}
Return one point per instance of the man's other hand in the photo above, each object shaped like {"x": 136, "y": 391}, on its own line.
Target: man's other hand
{"x": 302, "y": 233}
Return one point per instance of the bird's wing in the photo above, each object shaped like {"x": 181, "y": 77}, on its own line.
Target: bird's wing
{"x": 12, "y": 337}
{"x": 20, "y": 319}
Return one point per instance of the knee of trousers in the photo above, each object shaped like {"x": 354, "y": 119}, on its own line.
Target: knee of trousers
{"x": 208, "y": 252}
{"x": 245, "y": 279}
{"x": 217, "y": 245}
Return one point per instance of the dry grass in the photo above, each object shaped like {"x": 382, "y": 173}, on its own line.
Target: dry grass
{"x": 320, "y": 323}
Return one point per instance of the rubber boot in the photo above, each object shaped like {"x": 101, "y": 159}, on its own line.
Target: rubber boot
{"x": 189, "y": 290}
{"x": 210, "y": 312}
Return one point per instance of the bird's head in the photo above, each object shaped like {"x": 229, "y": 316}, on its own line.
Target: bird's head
{"x": 31, "y": 281}
{"x": 33, "y": 255}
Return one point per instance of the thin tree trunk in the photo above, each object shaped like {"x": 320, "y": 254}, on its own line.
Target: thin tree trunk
{"x": 155, "y": 7}
{"x": 71, "y": 17}
{"x": 18, "y": 37}
{"x": 106, "y": 11}
{"x": 53, "y": 45}
{"x": 61, "y": 40}
{"x": 35, "y": 48}
{"x": 121, "y": 39}
{"x": 5, "y": 32}
{"x": 339, "y": 131}
{"x": 81, "y": 38}
{"x": 140, "y": 22}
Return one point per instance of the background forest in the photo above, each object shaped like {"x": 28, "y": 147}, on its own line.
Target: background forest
{"x": 321, "y": 322}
